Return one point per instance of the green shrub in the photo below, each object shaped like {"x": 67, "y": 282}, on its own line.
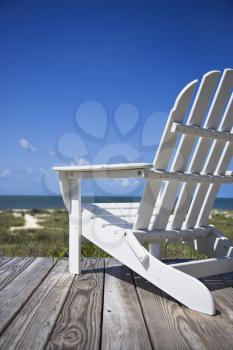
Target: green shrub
{"x": 52, "y": 239}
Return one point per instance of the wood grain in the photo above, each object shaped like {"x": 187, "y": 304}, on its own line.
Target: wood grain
{"x": 17, "y": 292}
{"x": 173, "y": 326}
{"x": 216, "y": 332}
{"x": 167, "y": 325}
{"x": 224, "y": 303}
{"x": 43, "y": 306}
{"x": 4, "y": 260}
{"x": 79, "y": 324}
{"x": 219, "y": 326}
{"x": 12, "y": 268}
{"x": 32, "y": 326}
{"x": 123, "y": 323}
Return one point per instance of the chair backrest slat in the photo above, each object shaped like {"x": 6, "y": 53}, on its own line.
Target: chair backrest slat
{"x": 205, "y": 155}
{"x": 183, "y": 152}
{"x": 213, "y": 189}
{"x": 202, "y": 148}
{"x": 163, "y": 156}
{"x": 214, "y": 157}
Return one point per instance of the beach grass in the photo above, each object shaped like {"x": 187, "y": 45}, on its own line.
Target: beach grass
{"x": 51, "y": 238}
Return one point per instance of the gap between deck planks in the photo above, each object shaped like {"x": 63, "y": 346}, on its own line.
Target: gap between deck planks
{"x": 79, "y": 323}
{"x": 15, "y": 294}
{"x": 12, "y": 268}
{"x": 106, "y": 307}
{"x": 123, "y": 322}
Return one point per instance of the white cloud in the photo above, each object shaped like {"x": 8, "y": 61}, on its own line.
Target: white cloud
{"x": 26, "y": 145}
{"x": 81, "y": 161}
{"x": 5, "y": 172}
{"x": 52, "y": 153}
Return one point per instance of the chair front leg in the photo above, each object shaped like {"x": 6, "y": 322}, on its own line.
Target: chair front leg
{"x": 75, "y": 227}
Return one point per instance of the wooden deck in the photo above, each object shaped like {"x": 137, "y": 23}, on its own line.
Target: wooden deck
{"x": 42, "y": 306}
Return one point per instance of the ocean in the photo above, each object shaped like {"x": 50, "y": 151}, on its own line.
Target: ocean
{"x": 56, "y": 202}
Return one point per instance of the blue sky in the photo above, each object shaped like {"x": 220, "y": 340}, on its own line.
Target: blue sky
{"x": 72, "y": 70}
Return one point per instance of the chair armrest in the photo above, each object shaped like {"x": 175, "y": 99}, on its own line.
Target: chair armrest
{"x": 104, "y": 171}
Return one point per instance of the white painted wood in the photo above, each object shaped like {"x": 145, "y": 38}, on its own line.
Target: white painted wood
{"x": 113, "y": 227}
{"x": 155, "y": 250}
{"x": 151, "y": 174}
{"x": 189, "y": 177}
{"x": 75, "y": 228}
{"x": 188, "y": 290}
{"x": 217, "y": 244}
{"x": 198, "y": 159}
{"x": 184, "y": 149}
{"x": 207, "y": 267}
{"x": 158, "y": 236}
{"x": 127, "y": 212}
{"x": 201, "y": 132}
{"x": 104, "y": 171}
{"x": 212, "y": 162}
{"x": 107, "y": 174}
{"x": 140, "y": 252}
{"x": 153, "y": 187}
{"x": 213, "y": 189}
{"x": 101, "y": 167}
{"x": 213, "y": 245}
{"x": 162, "y": 159}
{"x": 96, "y": 207}
{"x": 65, "y": 189}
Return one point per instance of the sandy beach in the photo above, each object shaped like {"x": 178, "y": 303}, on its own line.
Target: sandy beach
{"x": 35, "y": 220}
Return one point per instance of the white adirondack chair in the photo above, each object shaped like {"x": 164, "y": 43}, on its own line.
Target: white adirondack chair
{"x": 191, "y": 163}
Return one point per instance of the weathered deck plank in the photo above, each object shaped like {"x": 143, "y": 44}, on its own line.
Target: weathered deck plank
{"x": 173, "y": 326}
{"x": 4, "y": 260}
{"x": 17, "y": 292}
{"x": 32, "y": 326}
{"x": 216, "y": 331}
{"x": 123, "y": 323}
{"x": 224, "y": 303}
{"x": 43, "y": 306}
{"x": 12, "y": 268}
{"x": 167, "y": 325}
{"x": 79, "y": 324}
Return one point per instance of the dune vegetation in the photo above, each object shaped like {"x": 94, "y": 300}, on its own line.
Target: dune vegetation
{"x": 45, "y": 233}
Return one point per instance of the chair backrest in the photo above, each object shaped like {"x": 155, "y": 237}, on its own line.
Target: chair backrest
{"x": 203, "y": 145}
